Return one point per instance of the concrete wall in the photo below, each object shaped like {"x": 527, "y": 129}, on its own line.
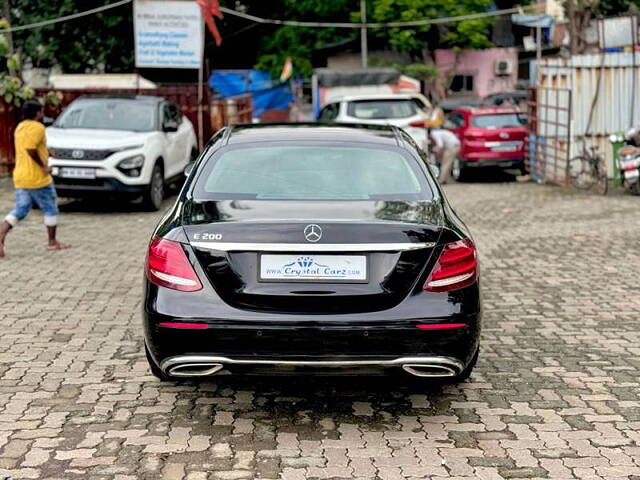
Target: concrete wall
{"x": 480, "y": 64}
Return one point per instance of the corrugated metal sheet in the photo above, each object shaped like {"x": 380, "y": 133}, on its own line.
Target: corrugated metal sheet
{"x": 615, "y": 98}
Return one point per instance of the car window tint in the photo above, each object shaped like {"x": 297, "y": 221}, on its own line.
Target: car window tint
{"x": 454, "y": 120}
{"x": 308, "y": 172}
{"x": 502, "y": 120}
{"x": 166, "y": 113}
{"x": 377, "y": 109}
{"x": 175, "y": 112}
{"x": 171, "y": 112}
{"x": 330, "y": 112}
{"x": 420, "y": 104}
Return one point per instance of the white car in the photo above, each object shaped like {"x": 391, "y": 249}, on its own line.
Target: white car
{"x": 120, "y": 145}
{"x": 408, "y": 111}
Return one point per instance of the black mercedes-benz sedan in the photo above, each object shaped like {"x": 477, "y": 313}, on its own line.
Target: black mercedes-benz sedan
{"x": 321, "y": 249}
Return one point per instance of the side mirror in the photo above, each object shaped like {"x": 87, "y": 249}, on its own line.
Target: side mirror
{"x": 435, "y": 169}
{"x": 170, "y": 126}
{"x": 47, "y": 121}
{"x": 189, "y": 168}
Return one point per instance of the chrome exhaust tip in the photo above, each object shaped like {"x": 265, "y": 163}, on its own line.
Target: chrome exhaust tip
{"x": 430, "y": 370}
{"x": 195, "y": 369}
{"x": 208, "y": 365}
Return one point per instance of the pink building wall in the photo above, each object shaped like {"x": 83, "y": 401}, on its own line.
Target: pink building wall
{"x": 480, "y": 64}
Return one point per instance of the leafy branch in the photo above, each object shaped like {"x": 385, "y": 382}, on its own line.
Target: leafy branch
{"x": 12, "y": 88}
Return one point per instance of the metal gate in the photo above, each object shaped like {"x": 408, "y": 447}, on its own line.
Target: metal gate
{"x": 549, "y": 145}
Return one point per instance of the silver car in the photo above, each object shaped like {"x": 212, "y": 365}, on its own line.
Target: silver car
{"x": 407, "y": 111}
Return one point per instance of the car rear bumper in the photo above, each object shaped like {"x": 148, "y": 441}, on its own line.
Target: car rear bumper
{"x": 207, "y": 365}
{"x": 291, "y": 346}
{"x": 494, "y": 162}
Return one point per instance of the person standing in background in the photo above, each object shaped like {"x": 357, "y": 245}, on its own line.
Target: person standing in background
{"x": 32, "y": 176}
{"x": 446, "y": 147}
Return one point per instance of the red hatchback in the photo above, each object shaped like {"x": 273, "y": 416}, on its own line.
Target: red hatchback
{"x": 489, "y": 137}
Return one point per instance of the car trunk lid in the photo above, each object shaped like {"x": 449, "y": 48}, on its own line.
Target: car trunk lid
{"x": 378, "y": 249}
{"x": 492, "y": 133}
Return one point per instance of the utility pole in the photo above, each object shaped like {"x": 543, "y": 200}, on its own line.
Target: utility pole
{"x": 6, "y": 13}
{"x": 363, "y": 33}
{"x": 201, "y": 85}
{"x": 538, "y": 52}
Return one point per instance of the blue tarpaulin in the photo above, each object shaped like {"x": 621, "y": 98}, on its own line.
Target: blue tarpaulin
{"x": 267, "y": 94}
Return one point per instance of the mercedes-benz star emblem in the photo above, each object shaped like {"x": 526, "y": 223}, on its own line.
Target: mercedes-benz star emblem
{"x": 312, "y": 232}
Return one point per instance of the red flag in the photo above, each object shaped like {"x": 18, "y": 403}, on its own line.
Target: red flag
{"x": 210, "y": 9}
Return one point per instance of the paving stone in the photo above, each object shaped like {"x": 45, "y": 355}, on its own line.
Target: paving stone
{"x": 554, "y": 394}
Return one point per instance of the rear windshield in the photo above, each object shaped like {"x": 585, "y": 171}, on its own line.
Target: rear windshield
{"x": 312, "y": 172}
{"x": 501, "y": 120}
{"x": 380, "y": 109}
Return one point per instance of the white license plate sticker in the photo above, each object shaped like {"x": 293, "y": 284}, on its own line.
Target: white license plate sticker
{"x": 69, "y": 172}
{"x": 327, "y": 268}
{"x": 629, "y": 174}
{"x": 504, "y": 149}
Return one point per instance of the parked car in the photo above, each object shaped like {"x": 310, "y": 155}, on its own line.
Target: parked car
{"x": 303, "y": 247}
{"x": 516, "y": 98}
{"x": 120, "y": 145}
{"x": 448, "y": 105}
{"x": 409, "y": 111}
{"x": 489, "y": 137}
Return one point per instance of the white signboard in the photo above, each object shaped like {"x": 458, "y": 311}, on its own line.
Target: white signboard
{"x": 314, "y": 267}
{"x": 167, "y": 34}
{"x": 618, "y": 32}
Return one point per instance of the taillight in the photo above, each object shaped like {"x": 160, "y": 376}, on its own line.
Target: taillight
{"x": 457, "y": 267}
{"x": 168, "y": 266}
{"x": 188, "y": 325}
{"x": 417, "y": 123}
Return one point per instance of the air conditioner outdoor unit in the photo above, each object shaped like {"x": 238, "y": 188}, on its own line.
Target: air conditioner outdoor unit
{"x": 503, "y": 67}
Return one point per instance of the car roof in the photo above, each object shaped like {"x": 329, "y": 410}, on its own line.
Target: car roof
{"x": 488, "y": 110}
{"x": 124, "y": 96}
{"x": 378, "y": 96}
{"x": 277, "y": 132}
{"x": 515, "y": 93}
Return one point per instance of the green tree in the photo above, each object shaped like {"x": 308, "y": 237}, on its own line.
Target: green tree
{"x": 417, "y": 40}
{"x": 579, "y": 14}
{"x": 12, "y": 89}
{"x": 299, "y": 43}
{"x": 611, "y": 8}
{"x": 103, "y": 41}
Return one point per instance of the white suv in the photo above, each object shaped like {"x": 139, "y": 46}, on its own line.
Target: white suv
{"x": 120, "y": 145}
{"x": 410, "y": 112}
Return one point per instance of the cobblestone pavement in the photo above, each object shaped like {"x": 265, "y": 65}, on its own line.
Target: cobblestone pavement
{"x": 556, "y": 392}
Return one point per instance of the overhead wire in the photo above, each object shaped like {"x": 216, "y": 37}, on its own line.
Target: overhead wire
{"x": 293, "y": 23}
{"x": 411, "y": 23}
{"x": 65, "y": 18}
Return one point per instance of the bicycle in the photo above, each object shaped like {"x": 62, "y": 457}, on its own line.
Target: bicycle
{"x": 588, "y": 170}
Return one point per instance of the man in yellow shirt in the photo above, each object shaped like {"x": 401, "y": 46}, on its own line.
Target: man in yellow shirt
{"x": 31, "y": 176}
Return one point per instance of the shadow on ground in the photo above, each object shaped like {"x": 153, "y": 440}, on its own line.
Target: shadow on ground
{"x": 107, "y": 205}
{"x": 491, "y": 175}
{"x": 331, "y": 395}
